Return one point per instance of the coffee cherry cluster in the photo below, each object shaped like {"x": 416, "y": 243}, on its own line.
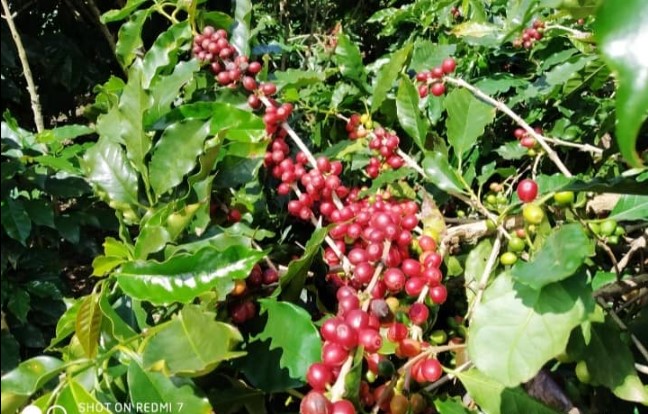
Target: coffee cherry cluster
{"x": 228, "y": 67}
{"x": 455, "y": 12}
{"x": 382, "y": 142}
{"x": 373, "y": 235}
{"x": 526, "y": 140}
{"x": 530, "y": 35}
{"x": 431, "y": 81}
{"x": 244, "y": 308}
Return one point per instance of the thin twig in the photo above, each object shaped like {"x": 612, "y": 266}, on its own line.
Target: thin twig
{"x": 518, "y": 119}
{"x": 483, "y": 281}
{"x": 31, "y": 86}
{"x": 466, "y": 365}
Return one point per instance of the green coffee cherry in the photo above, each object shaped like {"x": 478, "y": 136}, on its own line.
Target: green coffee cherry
{"x": 508, "y": 258}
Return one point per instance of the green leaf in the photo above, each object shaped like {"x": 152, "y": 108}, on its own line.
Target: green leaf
{"x": 475, "y": 265}
{"x": 175, "y": 154}
{"x": 301, "y": 344}
{"x": 30, "y": 376}
{"x": 66, "y": 324}
{"x": 10, "y": 350}
{"x": 192, "y": 344}
{"x": 262, "y": 369}
{"x": 241, "y": 31}
{"x": 562, "y": 73}
{"x": 132, "y": 104}
{"x": 65, "y": 133}
{"x": 631, "y": 207}
{"x": 232, "y": 399}
{"x": 180, "y": 395}
{"x": 292, "y": 282}
{"x": 217, "y": 19}
{"x": 165, "y": 89}
{"x": 439, "y": 172}
{"x": 349, "y": 59}
{"x": 427, "y": 55}
{"x": 113, "y": 325}
{"x": 476, "y": 33}
{"x": 18, "y": 304}
{"x": 387, "y": 76}
{"x": 564, "y": 251}
{"x": 450, "y": 406}
{"x": 76, "y": 400}
{"x": 467, "y": 118}
{"x": 88, "y": 324}
{"x": 620, "y": 33}
{"x": 409, "y": 115}
{"x": 236, "y": 124}
{"x": 512, "y": 150}
{"x": 183, "y": 277}
{"x": 151, "y": 239}
{"x": 297, "y": 78}
{"x": 517, "y": 329}
{"x": 130, "y": 37}
{"x": 110, "y": 172}
{"x": 164, "y": 52}
{"x": 495, "y": 398}
{"x": 385, "y": 178}
{"x": 15, "y": 220}
{"x": 116, "y": 15}
{"x": 609, "y": 361}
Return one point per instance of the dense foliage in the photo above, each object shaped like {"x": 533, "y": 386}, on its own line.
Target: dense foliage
{"x": 327, "y": 208}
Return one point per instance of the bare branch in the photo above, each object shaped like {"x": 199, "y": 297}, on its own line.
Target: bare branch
{"x": 31, "y": 86}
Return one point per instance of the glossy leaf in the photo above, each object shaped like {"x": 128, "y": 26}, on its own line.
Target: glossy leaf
{"x": 66, "y": 323}
{"x": 179, "y": 395}
{"x": 631, "y": 207}
{"x": 15, "y": 220}
{"x": 30, "y": 376}
{"x": 113, "y": 325}
{"x": 175, "y": 154}
{"x": 18, "y": 304}
{"x": 387, "y": 75}
{"x": 349, "y": 59}
{"x": 88, "y": 324}
{"x": 192, "y": 344}
{"x": 152, "y": 238}
{"x": 130, "y": 37}
{"x": 164, "y": 51}
{"x": 427, "y": 55}
{"x": 621, "y": 33}
{"x": 120, "y": 14}
{"x": 241, "y": 31}
{"x": 517, "y": 329}
{"x": 76, "y": 400}
{"x": 467, "y": 118}
{"x": 301, "y": 344}
{"x": 409, "y": 115}
{"x": 609, "y": 361}
{"x": 562, "y": 254}
{"x": 439, "y": 172}
{"x": 183, "y": 277}
{"x": 450, "y": 406}
{"x": 110, "y": 172}
{"x": 165, "y": 89}
{"x": 236, "y": 124}
{"x": 133, "y": 102}
{"x": 263, "y": 370}
{"x": 232, "y": 400}
{"x": 475, "y": 265}
{"x": 495, "y": 398}
{"x": 292, "y": 281}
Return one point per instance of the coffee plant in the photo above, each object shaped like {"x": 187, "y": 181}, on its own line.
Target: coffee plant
{"x": 327, "y": 208}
